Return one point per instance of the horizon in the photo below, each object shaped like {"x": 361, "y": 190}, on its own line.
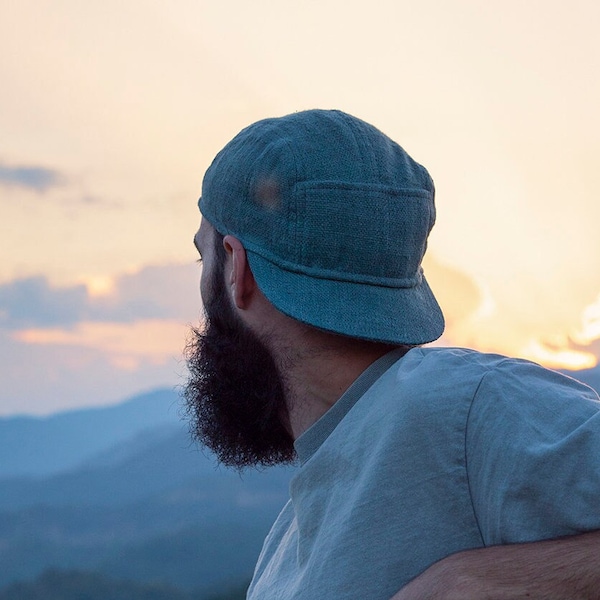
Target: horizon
{"x": 141, "y": 393}
{"x": 113, "y": 113}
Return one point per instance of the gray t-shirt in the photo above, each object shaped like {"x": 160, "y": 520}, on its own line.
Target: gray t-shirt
{"x": 426, "y": 455}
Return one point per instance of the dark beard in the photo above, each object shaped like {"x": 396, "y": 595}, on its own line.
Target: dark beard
{"x": 235, "y": 397}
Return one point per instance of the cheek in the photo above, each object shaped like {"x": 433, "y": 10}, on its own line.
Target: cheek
{"x": 204, "y": 279}
{"x": 211, "y": 286}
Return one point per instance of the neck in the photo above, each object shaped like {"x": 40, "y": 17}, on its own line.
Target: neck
{"x": 318, "y": 368}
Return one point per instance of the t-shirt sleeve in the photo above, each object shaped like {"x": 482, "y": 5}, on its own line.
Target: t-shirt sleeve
{"x": 533, "y": 454}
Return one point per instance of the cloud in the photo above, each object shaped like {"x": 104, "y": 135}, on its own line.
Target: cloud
{"x": 33, "y": 301}
{"x": 561, "y": 356}
{"x": 126, "y": 345}
{"x": 480, "y": 317}
{"x": 589, "y": 332}
{"x": 40, "y": 378}
{"x": 585, "y": 340}
{"x": 155, "y": 292}
{"x": 458, "y": 295}
{"x": 39, "y": 179}
{"x": 158, "y": 291}
{"x": 96, "y": 341}
{"x": 576, "y": 348}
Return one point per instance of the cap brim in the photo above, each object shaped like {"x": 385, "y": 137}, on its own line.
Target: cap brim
{"x": 393, "y": 315}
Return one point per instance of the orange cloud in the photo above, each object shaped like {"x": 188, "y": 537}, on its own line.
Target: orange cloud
{"x": 589, "y": 332}
{"x": 558, "y": 357}
{"x": 579, "y": 349}
{"x": 126, "y": 345}
{"x": 458, "y": 295}
{"x": 480, "y": 317}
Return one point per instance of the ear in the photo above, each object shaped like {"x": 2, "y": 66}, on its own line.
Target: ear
{"x": 241, "y": 282}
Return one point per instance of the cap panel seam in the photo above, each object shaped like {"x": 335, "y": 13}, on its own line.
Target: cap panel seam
{"x": 343, "y": 276}
{"x": 294, "y": 223}
{"x": 368, "y": 187}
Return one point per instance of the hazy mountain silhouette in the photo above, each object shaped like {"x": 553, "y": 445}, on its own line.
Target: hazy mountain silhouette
{"x": 589, "y": 376}
{"x": 121, "y": 491}
{"x": 149, "y": 506}
{"x": 47, "y": 445}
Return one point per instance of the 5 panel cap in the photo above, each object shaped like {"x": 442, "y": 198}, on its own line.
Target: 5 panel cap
{"x": 334, "y": 216}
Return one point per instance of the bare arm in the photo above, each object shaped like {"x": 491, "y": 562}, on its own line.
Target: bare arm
{"x": 566, "y": 568}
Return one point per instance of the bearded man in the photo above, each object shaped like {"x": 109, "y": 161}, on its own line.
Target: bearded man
{"x": 424, "y": 472}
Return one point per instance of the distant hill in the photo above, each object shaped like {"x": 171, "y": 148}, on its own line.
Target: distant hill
{"x": 590, "y": 377}
{"x": 77, "y": 585}
{"x": 121, "y": 492}
{"x": 150, "y": 507}
{"x": 42, "y": 446}
{"x": 81, "y": 585}
{"x": 154, "y": 464}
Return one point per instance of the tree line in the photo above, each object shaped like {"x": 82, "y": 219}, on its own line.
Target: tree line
{"x": 82, "y": 585}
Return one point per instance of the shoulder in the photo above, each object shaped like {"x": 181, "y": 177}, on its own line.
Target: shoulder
{"x": 525, "y": 418}
{"x": 442, "y": 373}
{"x": 489, "y": 385}
{"x": 529, "y": 391}
{"x": 532, "y": 442}
{"x": 457, "y": 368}
{"x": 426, "y": 392}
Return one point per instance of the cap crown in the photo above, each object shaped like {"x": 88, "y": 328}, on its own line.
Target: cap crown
{"x": 324, "y": 195}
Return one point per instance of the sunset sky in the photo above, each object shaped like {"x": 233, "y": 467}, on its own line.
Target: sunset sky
{"x": 110, "y": 113}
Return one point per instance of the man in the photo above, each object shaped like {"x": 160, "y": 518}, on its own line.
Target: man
{"x": 423, "y": 471}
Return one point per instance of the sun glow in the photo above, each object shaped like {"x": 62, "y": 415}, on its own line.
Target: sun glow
{"x": 480, "y": 317}
{"x": 590, "y": 324}
{"x": 99, "y": 285}
{"x": 558, "y": 358}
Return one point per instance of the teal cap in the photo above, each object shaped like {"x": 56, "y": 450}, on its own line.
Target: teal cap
{"x": 334, "y": 217}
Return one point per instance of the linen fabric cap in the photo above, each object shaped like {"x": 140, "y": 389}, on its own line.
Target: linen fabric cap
{"x": 334, "y": 217}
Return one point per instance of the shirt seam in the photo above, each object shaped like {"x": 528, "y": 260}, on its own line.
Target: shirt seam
{"x": 468, "y": 419}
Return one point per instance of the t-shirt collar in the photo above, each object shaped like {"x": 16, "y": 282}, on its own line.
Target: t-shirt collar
{"x": 310, "y": 441}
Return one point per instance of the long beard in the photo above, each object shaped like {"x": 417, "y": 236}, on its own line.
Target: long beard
{"x": 235, "y": 397}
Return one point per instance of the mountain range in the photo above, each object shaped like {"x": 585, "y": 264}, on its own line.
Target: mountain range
{"x": 590, "y": 377}
{"x": 42, "y": 446}
{"x": 121, "y": 491}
